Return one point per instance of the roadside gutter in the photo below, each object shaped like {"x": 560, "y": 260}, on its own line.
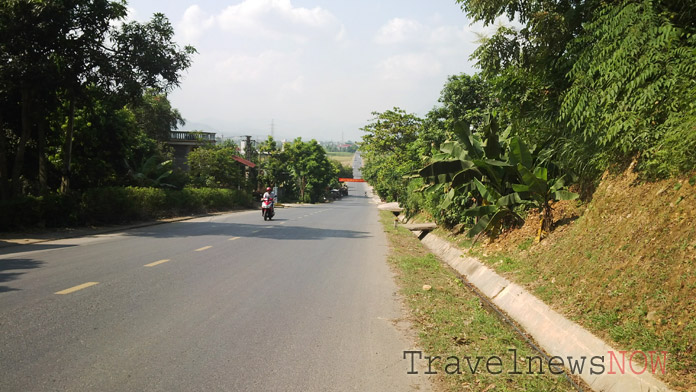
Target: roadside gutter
{"x": 557, "y": 335}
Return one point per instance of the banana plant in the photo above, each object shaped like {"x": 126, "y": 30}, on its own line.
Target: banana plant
{"x": 495, "y": 209}
{"x": 537, "y": 189}
{"x": 152, "y": 172}
{"x": 498, "y": 173}
{"x": 467, "y": 158}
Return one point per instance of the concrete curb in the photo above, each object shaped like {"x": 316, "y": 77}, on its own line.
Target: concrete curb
{"x": 555, "y": 334}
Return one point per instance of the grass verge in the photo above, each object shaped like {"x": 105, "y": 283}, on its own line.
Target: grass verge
{"x": 452, "y": 322}
{"x": 622, "y": 266}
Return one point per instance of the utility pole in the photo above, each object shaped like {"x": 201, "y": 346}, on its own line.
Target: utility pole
{"x": 273, "y": 128}
{"x": 247, "y": 147}
{"x": 249, "y": 173}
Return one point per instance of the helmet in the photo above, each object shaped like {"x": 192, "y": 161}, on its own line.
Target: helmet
{"x": 268, "y": 189}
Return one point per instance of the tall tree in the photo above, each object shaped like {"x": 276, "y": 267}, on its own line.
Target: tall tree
{"x": 28, "y": 30}
{"x": 311, "y": 168}
{"x": 390, "y": 152}
{"x": 125, "y": 61}
{"x": 76, "y": 44}
{"x": 633, "y": 85}
{"x": 465, "y": 99}
{"x": 215, "y": 167}
{"x": 155, "y": 115}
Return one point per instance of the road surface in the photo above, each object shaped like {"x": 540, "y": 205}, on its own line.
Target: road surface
{"x": 305, "y": 302}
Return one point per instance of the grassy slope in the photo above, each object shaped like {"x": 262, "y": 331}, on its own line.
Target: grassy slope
{"x": 624, "y": 267}
{"x": 451, "y": 321}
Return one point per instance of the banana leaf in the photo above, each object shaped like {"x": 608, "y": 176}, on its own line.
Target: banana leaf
{"x": 535, "y": 184}
{"x": 440, "y": 172}
{"x": 454, "y": 149}
{"x": 492, "y": 146}
{"x": 510, "y": 200}
{"x": 565, "y": 195}
{"x": 520, "y": 154}
{"x": 488, "y": 193}
{"x": 487, "y": 222}
{"x": 541, "y": 173}
{"x": 465, "y": 177}
{"x": 481, "y": 211}
{"x": 472, "y": 143}
{"x": 449, "y": 198}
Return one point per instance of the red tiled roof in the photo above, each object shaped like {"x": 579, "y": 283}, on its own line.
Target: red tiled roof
{"x": 244, "y": 161}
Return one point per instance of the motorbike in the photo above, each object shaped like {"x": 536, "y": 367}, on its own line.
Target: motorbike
{"x": 267, "y": 210}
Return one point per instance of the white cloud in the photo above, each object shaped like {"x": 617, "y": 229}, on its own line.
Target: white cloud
{"x": 446, "y": 35}
{"x": 410, "y": 66}
{"x": 411, "y": 32}
{"x": 194, "y": 23}
{"x": 259, "y": 60}
{"x": 276, "y": 19}
{"x": 296, "y": 86}
{"x": 266, "y": 66}
{"x": 398, "y": 31}
{"x": 341, "y": 35}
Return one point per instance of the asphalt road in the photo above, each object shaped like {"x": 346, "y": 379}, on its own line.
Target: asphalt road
{"x": 305, "y": 302}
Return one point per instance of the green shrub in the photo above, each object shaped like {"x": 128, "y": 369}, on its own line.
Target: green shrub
{"x": 149, "y": 202}
{"x": 108, "y": 205}
{"x": 61, "y": 210}
{"x": 114, "y": 205}
{"x": 20, "y": 212}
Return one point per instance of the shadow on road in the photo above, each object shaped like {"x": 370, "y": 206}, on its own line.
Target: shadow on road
{"x": 13, "y": 265}
{"x": 264, "y": 229}
{"x": 23, "y": 248}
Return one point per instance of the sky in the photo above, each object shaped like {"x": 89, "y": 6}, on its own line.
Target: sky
{"x": 314, "y": 69}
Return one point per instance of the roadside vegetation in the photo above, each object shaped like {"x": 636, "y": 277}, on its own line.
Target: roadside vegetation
{"x": 578, "y": 90}
{"x": 568, "y": 162}
{"x": 302, "y": 171}
{"x": 85, "y": 123}
{"x": 83, "y": 95}
{"x": 622, "y": 266}
{"x": 450, "y": 321}
{"x": 115, "y": 205}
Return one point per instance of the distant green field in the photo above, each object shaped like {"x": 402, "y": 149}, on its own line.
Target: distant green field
{"x": 346, "y": 158}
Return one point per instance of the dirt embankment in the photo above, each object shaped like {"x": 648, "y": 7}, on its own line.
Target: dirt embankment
{"x": 623, "y": 266}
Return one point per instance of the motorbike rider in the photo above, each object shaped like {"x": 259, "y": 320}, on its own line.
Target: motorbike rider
{"x": 270, "y": 195}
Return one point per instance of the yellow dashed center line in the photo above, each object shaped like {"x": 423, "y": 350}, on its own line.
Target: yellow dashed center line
{"x": 156, "y": 263}
{"x": 76, "y": 288}
{"x": 203, "y": 248}
{"x": 233, "y": 238}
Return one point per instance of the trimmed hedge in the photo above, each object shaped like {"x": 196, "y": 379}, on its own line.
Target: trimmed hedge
{"x": 114, "y": 205}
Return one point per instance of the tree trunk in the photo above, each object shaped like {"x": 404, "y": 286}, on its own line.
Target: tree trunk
{"x": 545, "y": 222}
{"x": 67, "y": 148}
{"x": 43, "y": 185}
{"x": 4, "y": 174}
{"x": 21, "y": 147}
{"x": 303, "y": 184}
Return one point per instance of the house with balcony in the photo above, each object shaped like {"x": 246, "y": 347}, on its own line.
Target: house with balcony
{"x": 184, "y": 142}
